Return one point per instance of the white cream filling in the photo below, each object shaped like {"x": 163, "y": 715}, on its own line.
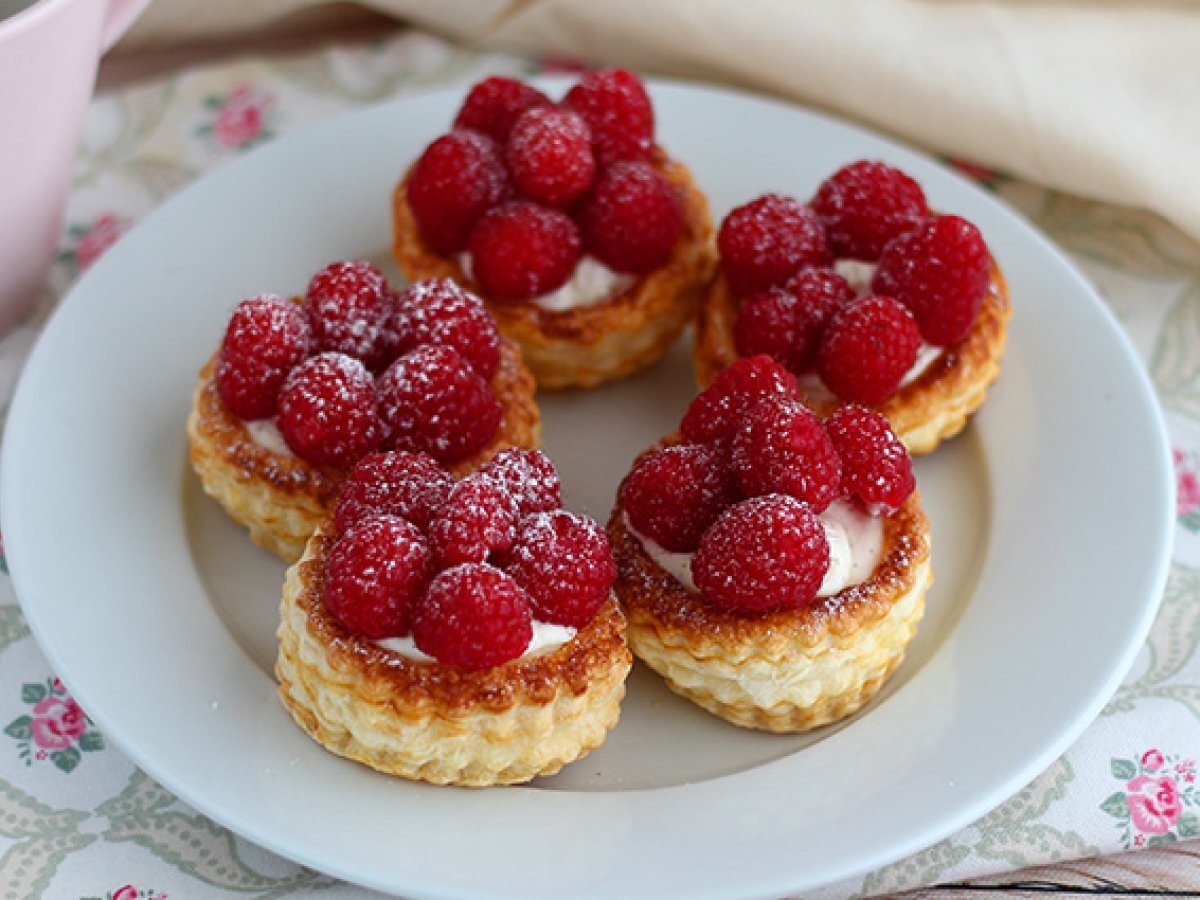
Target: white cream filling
{"x": 266, "y": 434}
{"x": 855, "y": 546}
{"x": 591, "y": 283}
{"x": 546, "y": 637}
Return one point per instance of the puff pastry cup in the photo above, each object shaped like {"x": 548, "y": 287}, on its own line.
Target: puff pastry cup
{"x": 279, "y": 497}
{"x": 422, "y": 720}
{"x": 783, "y": 671}
{"x": 933, "y": 407}
{"x": 588, "y": 345}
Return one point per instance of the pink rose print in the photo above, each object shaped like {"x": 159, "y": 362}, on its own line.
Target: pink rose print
{"x": 239, "y": 119}
{"x": 1157, "y": 802}
{"x": 1152, "y": 760}
{"x": 1187, "y": 489}
{"x": 128, "y": 892}
{"x": 1154, "y": 803}
{"x": 102, "y": 235}
{"x": 57, "y": 723}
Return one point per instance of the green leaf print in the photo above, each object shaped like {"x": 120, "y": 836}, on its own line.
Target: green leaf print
{"x": 33, "y": 693}
{"x": 12, "y": 626}
{"x": 67, "y": 759}
{"x": 20, "y": 728}
{"x": 921, "y": 868}
{"x": 1188, "y": 825}
{"x": 1116, "y": 805}
{"x": 91, "y": 741}
{"x": 1025, "y": 845}
{"x": 1124, "y": 769}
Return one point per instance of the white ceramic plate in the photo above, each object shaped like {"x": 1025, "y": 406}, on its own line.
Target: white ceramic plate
{"x": 1049, "y": 566}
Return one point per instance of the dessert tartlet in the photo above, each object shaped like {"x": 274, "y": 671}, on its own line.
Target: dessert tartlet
{"x": 867, "y": 296}
{"x": 772, "y": 567}
{"x": 301, "y": 389}
{"x": 590, "y": 245}
{"x": 454, "y": 632}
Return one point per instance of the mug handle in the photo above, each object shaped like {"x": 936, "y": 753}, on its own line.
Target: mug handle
{"x": 120, "y": 15}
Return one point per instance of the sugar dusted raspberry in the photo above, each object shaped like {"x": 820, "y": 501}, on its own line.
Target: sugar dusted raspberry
{"x": 479, "y": 518}
{"x": 494, "y": 104}
{"x": 617, "y": 108}
{"x": 347, "y": 304}
{"x": 438, "y": 311}
{"x": 409, "y": 485}
{"x": 549, "y": 155}
{"x": 715, "y": 414}
{"x": 376, "y": 570}
{"x": 474, "y": 616}
{"x": 786, "y": 323}
{"x": 328, "y": 412}
{"x": 867, "y": 348}
{"x": 763, "y": 554}
{"x": 782, "y": 448}
{"x": 564, "y": 563}
{"x": 939, "y": 270}
{"x": 875, "y": 466}
{"x": 528, "y": 477}
{"x": 632, "y": 218}
{"x": 763, "y": 242}
{"x": 673, "y": 495}
{"x": 432, "y": 401}
{"x": 458, "y": 178}
{"x": 866, "y": 204}
{"x": 265, "y": 338}
{"x": 520, "y": 250}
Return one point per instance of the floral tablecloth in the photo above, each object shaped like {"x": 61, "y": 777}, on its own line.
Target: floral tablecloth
{"x": 77, "y": 819}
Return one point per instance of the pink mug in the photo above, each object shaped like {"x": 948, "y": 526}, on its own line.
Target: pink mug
{"x": 49, "y": 50}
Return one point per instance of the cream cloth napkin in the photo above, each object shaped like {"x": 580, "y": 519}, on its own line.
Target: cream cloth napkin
{"x": 1100, "y": 98}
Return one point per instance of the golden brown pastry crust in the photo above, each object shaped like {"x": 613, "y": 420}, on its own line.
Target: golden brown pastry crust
{"x": 281, "y": 499}
{"x": 422, "y": 720}
{"x": 613, "y": 339}
{"x": 785, "y": 671}
{"x": 933, "y": 407}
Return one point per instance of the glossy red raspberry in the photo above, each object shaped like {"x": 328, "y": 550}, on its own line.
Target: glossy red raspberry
{"x": 438, "y": 311}
{"x": 549, "y": 155}
{"x": 786, "y": 323}
{"x": 528, "y": 477}
{"x": 867, "y": 348}
{"x": 617, "y": 108}
{"x": 494, "y": 104}
{"x": 265, "y": 338}
{"x": 478, "y": 518}
{"x": 409, "y": 485}
{"x": 632, "y": 218}
{"x": 520, "y": 250}
{"x": 474, "y": 616}
{"x": 875, "y": 466}
{"x": 940, "y": 270}
{"x": 328, "y": 412}
{"x": 347, "y": 305}
{"x": 376, "y": 570}
{"x": 564, "y": 563}
{"x": 763, "y": 554}
{"x": 866, "y": 204}
{"x": 782, "y": 448}
{"x": 715, "y": 414}
{"x": 458, "y": 178}
{"x": 433, "y": 402}
{"x": 673, "y": 495}
{"x": 765, "y": 241}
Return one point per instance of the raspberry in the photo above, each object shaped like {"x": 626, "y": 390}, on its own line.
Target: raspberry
{"x": 715, "y": 414}
{"x": 328, "y": 412}
{"x": 458, "y": 178}
{"x": 617, "y": 108}
{"x": 478, "y": 518}
{"x": 409, "y": 485}
{"x": 564, "y": 563}
{"x": 434, "y": 402}
{"x": 549, "y": 155}
{"x": 673, "y": 495}
{"x": 875, "y": 466}
{"x": 376, "y": 570}
{"x": 438, "y": 311}
{"x": 520, "y": 250}
{"x": 632, "y": 218}
{"x": 347, "y": 304}
{"x": 939, "y": 270}
{"x": 473, "y": 616}
{"x": 265, "y": 338}
{"x": 786, "y": 323}
{"x": 494, "y": 104}
{"x": 866, "y": 204}
{"x": 528, "y": 477}
{"x": 867, "y": 348}
{"x": 782, "y": 448}
{"x": 763, "y": 554}
{"x": 764, "y": 241}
